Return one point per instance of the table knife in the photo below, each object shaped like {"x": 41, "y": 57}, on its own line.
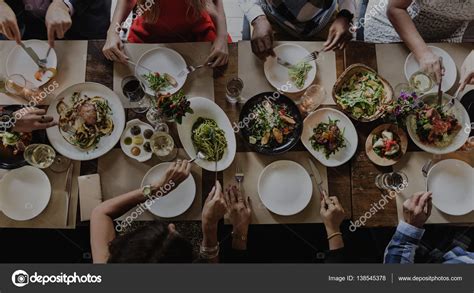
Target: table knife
{"x": 32, "y": 55}
{"x": 68, "y": 189}
{"x": 317, "y": 177}
{"x": 284, "y": 63}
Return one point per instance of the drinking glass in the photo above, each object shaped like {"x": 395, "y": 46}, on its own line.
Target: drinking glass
{"x": 39, "y": 155}
{"x": 133, "y": 89}
{"x": 421, "y": 82}
{"x": 60, "y": 164}
{"x": 162, "y": 145}
{"x": 157, "y": 120}
{"x": 396, "y": 181}
{"x": 312, "y": 98}
{"x": 15, "y": 84}
{"x": 402, "y": 87}
{"x": 234, "y": 90}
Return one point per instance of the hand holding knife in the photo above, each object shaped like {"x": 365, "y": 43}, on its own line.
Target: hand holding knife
{"x": 318, "y": 179}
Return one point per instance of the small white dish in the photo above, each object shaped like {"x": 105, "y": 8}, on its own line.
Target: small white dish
{"x": 285, "y": 188}
{"x": 127, "y": 149}
{"x": 24, "y": 193}
{"x": 451, "y": 182}
{"x": 177, "y": 201}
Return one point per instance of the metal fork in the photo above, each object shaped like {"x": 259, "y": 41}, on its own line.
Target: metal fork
{"x": 311, "y": 57}
{"x": 44, "y": 61}
{"x": 190, "y": 69}
{"x": 68, "y": 129}
{"x": 451, "y": 102}
{"x": 426, "y": 168}
{"x": 239, "y": 176}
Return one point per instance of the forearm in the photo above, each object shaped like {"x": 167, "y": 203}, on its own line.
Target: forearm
{"x": 219, "y": 19}
{"x": 251, "y": 9}
{"x": 122, "y": 10}
{"x": 239, "y": 238}
{"x": 336, "y": 241}
{"x": 209, "y": 238}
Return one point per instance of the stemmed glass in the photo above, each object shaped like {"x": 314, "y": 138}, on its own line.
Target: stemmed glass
{"x": 134, "y": 90}
{"x": 312, "y": 98}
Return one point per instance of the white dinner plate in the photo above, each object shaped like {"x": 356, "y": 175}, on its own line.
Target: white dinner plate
{"x": 106, "y": 143}
{"x": 277, "y": 75}
{"x": 449, "y": 78}
{"x": 206, "y": 108}
{"x": 285, "y": 188}
{"x": 451, "y": 182}
{"x": 162, "y": 60}
{"x": 24, "y": 193}
{"x": 175, "y": 202}
{"x": 18, "y": 62}
{"x": 345, "y": 124}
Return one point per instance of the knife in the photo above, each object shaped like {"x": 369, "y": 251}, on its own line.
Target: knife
{"x": 68, "y": 189}
{"x": 317, "y": 177}
{"x": 284, "y": 63}
{"x": 32, "y": 55}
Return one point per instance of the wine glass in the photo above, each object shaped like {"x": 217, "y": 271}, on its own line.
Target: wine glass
{"x": 15, "y": 84}
{"x": 313, "y": 97}
{"x": 39, "y": 155}
{"x": 163, "y": 146}
{"x": 134, "y": 90}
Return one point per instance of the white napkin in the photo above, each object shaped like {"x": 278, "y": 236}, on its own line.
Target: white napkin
{"x": 90, "y": 194}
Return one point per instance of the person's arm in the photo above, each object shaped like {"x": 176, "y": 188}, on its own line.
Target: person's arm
{"x": 467, "y": 72}
{"x": 333, "y": 214}
{"x": 58, "y": 20}
{"x": 219, "y": 55}
{"x": 398, "y": 15}
{"x": 339, "y": 32}
{"x": 251, "y": 9}
{"x": 8, "y": 23}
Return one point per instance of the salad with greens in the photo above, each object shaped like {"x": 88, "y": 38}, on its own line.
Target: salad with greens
{"x": 160, "y": 82}
{"x": 299, "y": 72}
{"x": 328, "y": 137}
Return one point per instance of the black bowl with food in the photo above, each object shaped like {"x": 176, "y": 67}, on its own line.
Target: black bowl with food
{"x": 270, "y": 123}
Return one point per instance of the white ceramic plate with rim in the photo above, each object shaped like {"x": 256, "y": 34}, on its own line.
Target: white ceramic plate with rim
{"x": 206, "y": 108}
{"x": 18, "y": 62}
{"x": 350, "y": 134}
{"x": 175, "y": 202}
{"x": 451, "y": 183}
{"x": 449, "y": 78}
{"x": 162, "y": 60}
{"x": 24, "y": 193}
{"x": 285, "y": 188}
{"x": 106, "y": 143}
{"x": 277, "y": 75}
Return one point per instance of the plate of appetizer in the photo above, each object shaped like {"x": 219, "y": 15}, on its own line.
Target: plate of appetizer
{"x": 165, "y": 64}
{"x": 439, "y": 130}
{"x": 285, "y": 187}
{"x": 361, "y": 93}
{"x": 451, "y": 183}
{"x": 135, "y": 140}
{"x": 270, "y": 126}
{"x": 177, "y": 201}
{"x": 330, "y": 137}
{"x": 19, "y": 62}
{"x": 386, "y": 144}
{"x": 90, "y": 119}
{"x": 449, "y": 79}
{"x": 208, "y": 130}
{"x": 301, "y": 75}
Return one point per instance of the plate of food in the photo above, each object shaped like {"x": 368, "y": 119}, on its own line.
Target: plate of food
{"x": 18, "y": 62}
{"x": 439, "y": 130}
{"x": 24, "y": 193}
{"x": 177, "y": 201}
{"x": 329, "y": 136}
{"x": 135, "y": 140}
{"x": 386, "y": 144}
{"x": 451, "y": 183}
{"x": 270, "y": 126}
{"x": 285, "y": 187}
{"x": 449, "y": 79}
{"x": 361, "y": 93}
{"x": 165, "y": 64}
{"x": 301, "y": 75}
{"x": 90, "y": 119}
{"x": 208, "y": 130}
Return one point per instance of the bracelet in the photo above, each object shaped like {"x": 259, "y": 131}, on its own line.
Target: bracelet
{"x": 209, "y": 252}
{"x": 334, "y": 235}
{"x": 239, "y": 236}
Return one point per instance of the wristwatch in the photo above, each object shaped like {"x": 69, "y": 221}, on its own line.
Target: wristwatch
{"x": 347, "y": 14}
{"x": 146, "y": 190}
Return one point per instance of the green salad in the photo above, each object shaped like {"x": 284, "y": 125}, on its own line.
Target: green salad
{"x": 160, "y": 82}
{"x": 299, "y": 72}
{"x": 328, "y": 137}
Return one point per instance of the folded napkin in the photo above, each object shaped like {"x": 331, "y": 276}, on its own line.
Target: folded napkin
{"x": 90, "y": 194}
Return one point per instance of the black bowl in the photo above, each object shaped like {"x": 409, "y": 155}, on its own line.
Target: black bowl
{"x": 272, "y": 148}
{"x": 468, "y": 102}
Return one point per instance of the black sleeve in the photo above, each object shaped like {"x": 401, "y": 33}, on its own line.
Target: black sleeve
{"x": 336, "y": 256}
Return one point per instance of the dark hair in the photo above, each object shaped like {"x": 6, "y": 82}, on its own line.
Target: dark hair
{"x": 151, "y": 243}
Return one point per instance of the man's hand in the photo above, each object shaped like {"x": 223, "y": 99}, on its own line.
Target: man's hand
{"x": 175, "y": 174}
{"x": 339, "y": 34}
{"x": 8, "y": 23}
{"x": 58, "y": 21}
{"x": 332, "y": 214}
{"x": 262, "y": 38}
{"x": 33, "y": 119}
{"x": 417, "y": 209}
{"x": 240, "y": 212}
{"x": 215, "y": 207}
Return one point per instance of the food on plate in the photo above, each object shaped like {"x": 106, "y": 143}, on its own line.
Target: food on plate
{"x": 85, "y": 120}
{"x": 328, "y": 137}
{"x": 160, "y": 82}
{"x": 135, "y": 151}
{"x": 138, "y": 140}
{"x": 14, "y": 143}
{"x": 147, "y": 147}
{"x": 209, "y": 139}
{"x": 436, "y": 127}
{"x": 148, "y": 133}
{"x": 299, "y": 72}
{"x": 174, "y": 106}
{"x": 361, "y": 95}
{"x": 135, "y": 130}
{"x": 386, "y": 145}
{"x": 271, "y": 124}
{"x": 128, "y": 141}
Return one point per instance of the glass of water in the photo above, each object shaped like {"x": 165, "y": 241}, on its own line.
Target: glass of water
{"x": 234, "y": 90}
{"x": 39, "y": 155}
{"x": 396, "y": 181}
{"x": 133, "y": 90}
{"x": 162, "y": 145}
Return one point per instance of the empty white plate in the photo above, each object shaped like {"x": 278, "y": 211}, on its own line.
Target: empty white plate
{"x": 285, "y": 187}
{"x": 175, "y": 202}
{"x": 24, "y": 193}
{"x": 451, "y": 182}
{"x": 449, "y": 78}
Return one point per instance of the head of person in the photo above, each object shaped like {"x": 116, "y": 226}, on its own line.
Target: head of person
{"x": 152, "y": 243}
{"x": 152, "y": 9}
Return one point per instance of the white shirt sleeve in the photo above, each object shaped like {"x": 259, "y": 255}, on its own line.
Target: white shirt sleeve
{"x": 348, "y": 5}
{"x": 71, "y": 7}
{"x": 251, "y": 9}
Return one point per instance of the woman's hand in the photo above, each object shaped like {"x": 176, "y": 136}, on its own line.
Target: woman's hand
{"x": 214, "y": 208}
{"x": 332, "y": 214}
{"x": 339, "y": 34}
{"x": 219, "y": 53}
{"x": 8, "y": 23}
{"x": 466, "y": 78}
{"x": 262, "y": 38}
{"x": 417, "y": 209}
{"x": 32, "y": 119}
{"x": 113, "y": 48}
{"x": 58, "y": 21}
{"x": 430, "y": 63}
{"x": 175, "y": 174}
{"x": 240, "y": 214}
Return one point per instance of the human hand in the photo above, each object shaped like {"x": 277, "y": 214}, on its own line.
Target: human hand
{"x": 58, "y": 21}
{"x": 240, "y": 212}
{"x": 175, "y": 174}
{"x": 32, "y": 119}
{"x": 431, "y": 64}
{"x": 8, "y": 23}
{"x": 466, "y": 78}
{"x": 417, "y": 209}
{"x": 214, "y": 208}
{"x": 113, "y": 48}
{"x": 219, "y": 55}
{"x": 339, "y": 35}
{"x": 332, "y": 214}
{"x": 262, "y": 38}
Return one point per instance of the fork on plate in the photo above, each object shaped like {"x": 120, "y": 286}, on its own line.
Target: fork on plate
{"x": 190, "y": 69}
{"x": 311, "y": 57}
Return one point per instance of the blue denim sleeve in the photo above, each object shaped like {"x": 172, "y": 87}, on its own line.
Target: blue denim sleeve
{"x": 403, "y": 245}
